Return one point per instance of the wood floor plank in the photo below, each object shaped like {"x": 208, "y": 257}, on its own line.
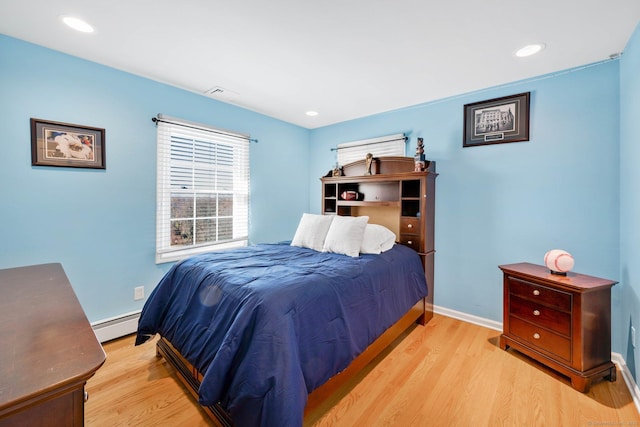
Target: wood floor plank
{"x": 447, "y": 373}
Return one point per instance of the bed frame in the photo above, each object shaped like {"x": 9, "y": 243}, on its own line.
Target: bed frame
{"x": 383, "y": 207}
{"x": 191, "y": 377}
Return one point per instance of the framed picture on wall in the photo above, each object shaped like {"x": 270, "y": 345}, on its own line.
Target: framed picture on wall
{"x": 66, "y": 145}
{"x": 498, "y": 120}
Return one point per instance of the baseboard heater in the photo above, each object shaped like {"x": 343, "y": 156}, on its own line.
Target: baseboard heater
{"x": 116, "y": 327}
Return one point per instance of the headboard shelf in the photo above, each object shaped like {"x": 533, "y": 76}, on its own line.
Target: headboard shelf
{"x": 393, "y": 195}
{"x": 366, "y": 203}
{"x": 377, "y": 177}
{"x": 386, "y": 166}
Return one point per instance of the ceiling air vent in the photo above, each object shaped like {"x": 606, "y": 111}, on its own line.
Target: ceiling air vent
{"x": 221, "y": 93}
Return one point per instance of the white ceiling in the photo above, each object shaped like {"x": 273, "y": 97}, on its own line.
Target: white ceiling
{"x": 343, "y": 58}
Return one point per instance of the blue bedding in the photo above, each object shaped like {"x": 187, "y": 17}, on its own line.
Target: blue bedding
{"x": 267, "y": 324}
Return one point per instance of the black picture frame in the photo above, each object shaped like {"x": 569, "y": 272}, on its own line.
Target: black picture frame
{"x": 497, "y": 121}
{"x": 67, "y": 145}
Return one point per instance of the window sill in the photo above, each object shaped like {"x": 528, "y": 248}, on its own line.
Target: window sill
{"x": 178, "y": 255}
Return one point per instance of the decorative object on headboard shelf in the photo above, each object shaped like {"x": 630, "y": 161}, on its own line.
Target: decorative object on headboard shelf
{"x": 350, "y": 195}
{"x": 558, "y": 261}
{"x": 337, "y": 171}
{"x": 368, "y": 161}
{"x": 419, "y": 157}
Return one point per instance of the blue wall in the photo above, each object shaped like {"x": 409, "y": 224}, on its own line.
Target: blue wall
{"x": 101, "y": 224}
{"x": 628, "y": 310}
{"x": 507, "y": 203}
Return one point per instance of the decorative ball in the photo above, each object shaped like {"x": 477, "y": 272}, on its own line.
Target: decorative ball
{"x": 558, "y": 261}
{"x": 350, "y": 195}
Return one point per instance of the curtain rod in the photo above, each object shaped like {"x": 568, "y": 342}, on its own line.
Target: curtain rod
{"x": 157, "y": 120}
{"x": 404, "y": 138}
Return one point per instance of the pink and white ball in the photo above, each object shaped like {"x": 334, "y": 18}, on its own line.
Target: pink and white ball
{"x": 558, "y": 261}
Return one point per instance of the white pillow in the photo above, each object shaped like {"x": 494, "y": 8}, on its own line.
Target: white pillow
{"x": 345, "y": 235}
{"x": 377, "y": 239}
{"x": 312, "y": 230}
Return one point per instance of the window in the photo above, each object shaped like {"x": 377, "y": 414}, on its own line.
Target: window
{"x": 391, "y": 145}
{"x": 202, "y": 189}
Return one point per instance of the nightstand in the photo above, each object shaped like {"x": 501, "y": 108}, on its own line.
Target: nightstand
{"x": 563, "y": 322}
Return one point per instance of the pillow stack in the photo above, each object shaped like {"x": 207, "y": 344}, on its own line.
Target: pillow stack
{"x": 344, "y": 235}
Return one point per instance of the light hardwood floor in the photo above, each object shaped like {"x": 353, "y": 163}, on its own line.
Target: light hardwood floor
{"x": 448, "y": 373}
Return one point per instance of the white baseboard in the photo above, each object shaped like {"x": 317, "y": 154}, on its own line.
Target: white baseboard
{"x": 116, "y": 327}
{"x": 628, "y": 378}
{"x": 469, "y": 318}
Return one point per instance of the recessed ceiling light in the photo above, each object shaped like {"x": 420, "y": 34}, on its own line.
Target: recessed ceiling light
{"x": 529, "y": 50}
{"x": 311, "y": 113}
{"x": 77, "y": 24}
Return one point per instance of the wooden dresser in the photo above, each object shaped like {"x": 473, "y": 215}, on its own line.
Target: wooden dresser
{"x": 395, "y": 196}
{"x": 47, "y": 349}
{"x": 561, "y": 321}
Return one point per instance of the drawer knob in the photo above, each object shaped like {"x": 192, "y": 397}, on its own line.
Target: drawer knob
{"x": 536, "y": 336}
{"x": 536, "y": 292}
{"x": 86, "y": 396}
{"x": 409, "y": 225}
{"x": 536, "y": 312}
{"x": 410, "y": 242}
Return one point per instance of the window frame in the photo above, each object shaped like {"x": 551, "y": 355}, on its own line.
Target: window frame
{"x": 171, "y": 136}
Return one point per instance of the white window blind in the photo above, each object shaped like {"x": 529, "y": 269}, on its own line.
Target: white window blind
{"x": 202, "y": 189}
{"x": 391, "y": 145}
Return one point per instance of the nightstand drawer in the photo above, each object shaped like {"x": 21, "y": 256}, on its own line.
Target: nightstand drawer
{"x": 543, "y": 339}
{"x": 409, "y": 225}
{"x": 540, "y": 294}
{"x": 556, "y": 320}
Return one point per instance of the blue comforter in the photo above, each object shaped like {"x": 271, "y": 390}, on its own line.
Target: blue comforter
{"x": 267, "y": 324}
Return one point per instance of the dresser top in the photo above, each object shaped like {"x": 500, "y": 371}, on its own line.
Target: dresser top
{"x": 572, "y": 280}
{"x": 46, "y": 341}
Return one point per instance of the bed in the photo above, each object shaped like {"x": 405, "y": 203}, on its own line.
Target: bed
{"x": 263, "y": 333}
